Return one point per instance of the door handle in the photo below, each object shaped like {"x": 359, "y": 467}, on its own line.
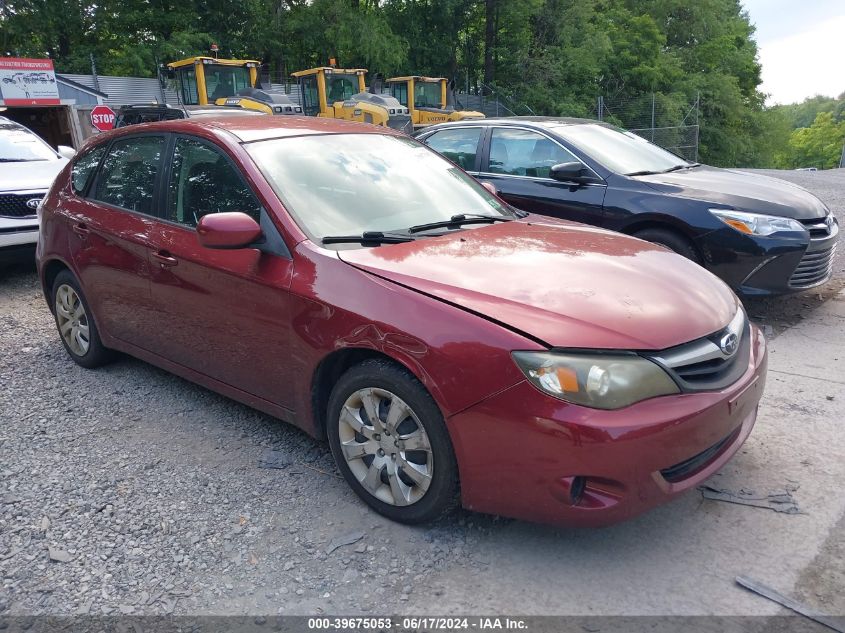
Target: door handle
{"x": 165, "y": 259}
{"x": 81, "y": 230}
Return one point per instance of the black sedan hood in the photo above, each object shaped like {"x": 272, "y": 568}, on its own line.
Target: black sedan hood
{"x": 739, "y": 190}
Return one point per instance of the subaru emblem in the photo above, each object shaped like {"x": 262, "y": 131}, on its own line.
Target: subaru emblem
{"x": 32, "y": 203}
{"x": 729, "y": 344}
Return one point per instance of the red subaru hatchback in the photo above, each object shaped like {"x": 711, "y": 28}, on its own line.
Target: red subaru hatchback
{"x": 348, "y": 279}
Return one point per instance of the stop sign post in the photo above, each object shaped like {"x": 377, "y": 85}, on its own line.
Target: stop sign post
{"x": 102, "y": 118}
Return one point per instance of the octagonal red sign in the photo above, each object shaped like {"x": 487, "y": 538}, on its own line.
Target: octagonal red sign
{"x": 102, "y": 118}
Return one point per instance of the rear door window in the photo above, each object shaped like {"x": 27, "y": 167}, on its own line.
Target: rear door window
{"x": 129, "y": 173}
{"x": 460, "y": 145}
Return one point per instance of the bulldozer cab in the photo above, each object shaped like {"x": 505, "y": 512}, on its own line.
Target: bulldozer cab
{"x": 203, "y": 80}
{"x": 342, "y": 94}
{"x": 426, "y": 99}
{"x": 321, "y": 87}
{"x": 419, "y": 92}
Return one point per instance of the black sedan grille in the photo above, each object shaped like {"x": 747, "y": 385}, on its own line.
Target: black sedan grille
{"x": 814, "y": 268}
{"x": 818, "y": 228}
{"x": 13, "y": 205}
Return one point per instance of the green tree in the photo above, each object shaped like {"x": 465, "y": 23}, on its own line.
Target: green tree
{"x": 819, "y": 145}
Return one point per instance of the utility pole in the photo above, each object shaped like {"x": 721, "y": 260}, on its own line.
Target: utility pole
{"x": 600, "y": 107}
{"x": 94, "y": 71}
{"x": 842, "y": 160}
{"x": 652, "y": 117}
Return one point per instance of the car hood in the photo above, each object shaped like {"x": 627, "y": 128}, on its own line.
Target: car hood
{"x": 741, "y": 191}
{"x": 564, "y": 284}
{"x": 24, "y": 176}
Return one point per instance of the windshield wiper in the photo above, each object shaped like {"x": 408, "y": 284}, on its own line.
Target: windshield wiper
{"x": 368, "y": 237}
{"x": 645, "y": 172}
{"x": 458, "y": 220}
{"x": 677, "y": 167}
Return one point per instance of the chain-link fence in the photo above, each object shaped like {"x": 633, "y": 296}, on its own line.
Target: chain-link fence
{"x": 669, "y": 121}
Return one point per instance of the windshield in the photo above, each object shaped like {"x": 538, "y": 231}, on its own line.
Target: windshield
{"x": 345, "y": 184}
{"x": 427, "y": 95}
{"x": 618, "y": 150}
{"x": 224, "y": 81}
{"x": 17, "y": 144}
{"x": 341, "y": 86}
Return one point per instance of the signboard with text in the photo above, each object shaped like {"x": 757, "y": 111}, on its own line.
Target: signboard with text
{"x": 26, "y": 82}
{"x": 102, "y": 118}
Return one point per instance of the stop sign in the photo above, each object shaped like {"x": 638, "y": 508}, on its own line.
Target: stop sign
{"x": 102, "y": 118}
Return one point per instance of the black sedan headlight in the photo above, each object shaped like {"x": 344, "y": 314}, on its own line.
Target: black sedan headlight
{"x": 757, "y": 223}
{"x": 597, "y": 380}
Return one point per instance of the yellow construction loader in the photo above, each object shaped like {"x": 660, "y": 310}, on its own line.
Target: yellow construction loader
{"x": 227, "y": 82}
{"x": 427, "y": 99}
{"x": 339, "y": 93}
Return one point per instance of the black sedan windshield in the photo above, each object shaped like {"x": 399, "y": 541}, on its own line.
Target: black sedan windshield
{"x": 620, "y": 151}
{"x": 348, "y": 184}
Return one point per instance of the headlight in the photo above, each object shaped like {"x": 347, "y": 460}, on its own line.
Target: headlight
{"x": 601, "y": 381}
{"x": 756, "y": 223}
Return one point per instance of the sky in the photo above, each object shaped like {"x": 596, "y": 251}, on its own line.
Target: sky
{"x": 801, "y": 47}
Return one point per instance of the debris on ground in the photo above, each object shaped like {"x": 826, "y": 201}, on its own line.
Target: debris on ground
{"x": 778, "y": 500}
{"x": 275, "y": 459}
{"x": 58, "y": 555}
{"x": 344, "y": 539}
{"x": 837, "y": 624}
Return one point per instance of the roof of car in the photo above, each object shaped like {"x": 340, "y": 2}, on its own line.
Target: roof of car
{"x": 247, "y": 128}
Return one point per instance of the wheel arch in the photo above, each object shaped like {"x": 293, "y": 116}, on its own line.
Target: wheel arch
{"x": 664, "y": 223}
{"x": 49, "y": 271}
{"x": 332, "y": 367}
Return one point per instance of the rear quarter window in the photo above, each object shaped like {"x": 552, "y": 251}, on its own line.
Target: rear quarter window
{"x": 84, "y": 167}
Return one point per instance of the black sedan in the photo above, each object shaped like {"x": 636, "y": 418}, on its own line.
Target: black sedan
{"x": 761, "y": 235}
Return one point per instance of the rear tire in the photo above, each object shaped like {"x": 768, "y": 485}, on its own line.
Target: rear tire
{"x": 75, "y": 323}
{"x": 671, "y": 240}
{"x": 390, "y": 441}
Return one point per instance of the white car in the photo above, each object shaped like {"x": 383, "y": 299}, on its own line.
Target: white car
{"x": 28, "y": 167}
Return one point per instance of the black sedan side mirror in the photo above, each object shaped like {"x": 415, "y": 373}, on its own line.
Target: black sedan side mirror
{"x": 573, "y": 172}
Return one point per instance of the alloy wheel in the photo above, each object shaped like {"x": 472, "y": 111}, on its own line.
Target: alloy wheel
{"x": 386, "y": 446}
{"x": 72, "y": 320}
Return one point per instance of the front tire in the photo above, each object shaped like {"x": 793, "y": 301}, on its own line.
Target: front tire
{"x": 75, "y": 323}
{"x": 390, "y": 442}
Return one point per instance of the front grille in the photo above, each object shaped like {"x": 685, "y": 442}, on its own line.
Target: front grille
{"x": 690, "y": 466}
{"x": 705, "y": 364}
{"x": 814, "y": 268}
{"x": 13, "y": 205}
{"x": 818, "y": 228}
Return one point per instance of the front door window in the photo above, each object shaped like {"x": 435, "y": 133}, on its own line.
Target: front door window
{"x": 203, "y": 181}
{"x": 525, "y": 153}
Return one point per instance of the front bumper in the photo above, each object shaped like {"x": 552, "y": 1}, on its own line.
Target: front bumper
{"x": 519, "y": 451}
{"x": 758, "y": 266}
{"x": 18, "y": 237}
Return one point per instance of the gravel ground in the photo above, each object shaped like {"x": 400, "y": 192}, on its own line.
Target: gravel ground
{"x": 130, "y": 491}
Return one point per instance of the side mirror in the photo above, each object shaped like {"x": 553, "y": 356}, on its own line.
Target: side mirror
{"x": 231, "y": 230}
{"x": 66, "y": 152}
{"x": 489, "y": 186}
{"x": 573, "y": 172}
